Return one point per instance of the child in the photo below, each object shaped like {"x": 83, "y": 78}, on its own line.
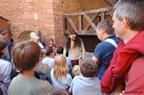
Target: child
{"x": 42, "y": 71}
{"x": 60, "y": 77}
{"x": 76, "y": 71}
{"x": 48, "y": 58}
{"x": 59, "y": 92}
{"x": 5, "y": 68}
{"x": 87, "y": 83}
{"x": 26, "y": 56}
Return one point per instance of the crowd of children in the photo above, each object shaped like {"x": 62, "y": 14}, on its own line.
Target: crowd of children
{"x": 43, "y": 70}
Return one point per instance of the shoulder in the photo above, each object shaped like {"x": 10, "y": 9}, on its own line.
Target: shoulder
{"x": 5, "y": 64}
{"x": 117, "y": 40}
{"x": 69, "y": 76}
{"x": 102, "y": 46}
{"x": 77, "y": 78}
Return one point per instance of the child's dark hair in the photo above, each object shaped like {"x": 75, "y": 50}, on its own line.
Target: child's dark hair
{"x": 3, "y": 44}
{"x": 49, "y": 50}
{"x": 88, "y": 67}
{"x": 59, "y": 49}
{"x": 26, "y": 55}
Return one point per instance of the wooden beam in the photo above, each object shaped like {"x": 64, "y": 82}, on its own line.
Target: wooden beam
{"x": 80, "y": 23}
{"x": 88, "y": 33}
{"x": 72, "y": 24}
{"x": 90, "y": 22}
{"x": 111, "y": 2}
{"x": 90, "y": 11}
{"x": 102, "y": 16}
{"x": 88, "y": 25}
{"x": 65, "y": 23}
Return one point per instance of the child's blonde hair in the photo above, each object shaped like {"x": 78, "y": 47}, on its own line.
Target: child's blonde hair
{"x": 60, "y": 67}
{"x": 76, "y": 70}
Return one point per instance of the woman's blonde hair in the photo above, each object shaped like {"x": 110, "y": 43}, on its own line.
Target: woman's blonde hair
{"x": 61, "y": 67}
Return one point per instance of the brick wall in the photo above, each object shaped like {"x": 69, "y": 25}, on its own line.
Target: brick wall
{"x": 43, "y": 15}
{"x": 82, "y": 5}
{"x": 35, "y": 15}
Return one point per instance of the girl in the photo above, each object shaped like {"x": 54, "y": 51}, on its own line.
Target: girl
{"x": 60, "y": 77}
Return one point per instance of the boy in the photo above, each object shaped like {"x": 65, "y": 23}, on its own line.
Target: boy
{"x": 87, "y": 83}
{"x": 26, "y": 56}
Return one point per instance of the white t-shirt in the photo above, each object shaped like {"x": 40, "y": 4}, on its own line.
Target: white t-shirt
{"x": 22, "y": 85}
{"x": 5, "y": 70}
{"x": 49, "y": 61}
{"x": 85, "y": 86}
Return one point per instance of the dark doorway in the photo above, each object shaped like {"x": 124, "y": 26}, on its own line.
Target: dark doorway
{"x": 90, "y": 41}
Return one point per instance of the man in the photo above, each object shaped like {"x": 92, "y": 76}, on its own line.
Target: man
{"x": 74, "y": 47}
{"x": 104, "y": 50}
{"x": 128, "y": 23}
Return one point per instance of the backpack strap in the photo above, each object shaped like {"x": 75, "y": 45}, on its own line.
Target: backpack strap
{"x": 111, "y": 41}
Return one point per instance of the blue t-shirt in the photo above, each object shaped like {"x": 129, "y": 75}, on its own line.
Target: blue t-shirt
{"x": 104, "y": 52}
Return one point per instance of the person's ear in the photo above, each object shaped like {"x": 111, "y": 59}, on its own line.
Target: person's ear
{"x": 102, "y": 31}
{"x": 125, "y": 22}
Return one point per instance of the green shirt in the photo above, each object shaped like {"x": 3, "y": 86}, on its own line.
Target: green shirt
{"x": 21, "y": 85}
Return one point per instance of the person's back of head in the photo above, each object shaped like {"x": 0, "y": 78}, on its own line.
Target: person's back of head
{"x": 49, "y": 50}
{"x": 132, "y": 10}
{"x": 26, "y": 55}
{"x": 3, "y": 45}
{"x": 59, "y": 49}
{"x": 42, "y": 71}
{"x": 60, "y": 67}
{"x": 76, "y": 70}
{"x": 106, "y": 26}
{"x": 88, "y": 67}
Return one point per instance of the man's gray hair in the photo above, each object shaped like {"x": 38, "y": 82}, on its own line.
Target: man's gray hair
{"x": 105, "y": 25}
{"x": 133, "y": 11}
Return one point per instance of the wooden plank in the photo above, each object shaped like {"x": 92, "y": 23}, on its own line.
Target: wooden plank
{"x": 72, "y": 24}
{"x": 111, "y": 2}
{"x": 87, "y": 33}
{"x": 65, "y": 23}
{"x": 90, "y": 22}
{"x": 80, "y": 23}
{"x": 88, "y": 25}
{"x": 90, "y": 11}
{"x": 102, "y": 16}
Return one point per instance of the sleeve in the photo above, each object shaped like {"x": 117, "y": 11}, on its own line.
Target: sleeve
{"x": 98, "y": 52}
{"x": 71, "y": 86}
{"x": 68, "y": 80}
{"x": 83, "y": 50}
{"x": 7, "y": 73}
{"x": 64, "y": 51}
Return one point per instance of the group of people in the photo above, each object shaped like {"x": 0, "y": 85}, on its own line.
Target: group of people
{"x": 124, "y": 74}
{"x": 116, "y": 66}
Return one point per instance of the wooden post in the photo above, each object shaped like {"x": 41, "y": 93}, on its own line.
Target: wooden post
{"x": 72, "y": 24}
{"x": 81, "y": 23}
